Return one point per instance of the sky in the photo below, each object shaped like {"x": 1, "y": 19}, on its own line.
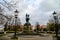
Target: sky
{"x": 39, "y": 10}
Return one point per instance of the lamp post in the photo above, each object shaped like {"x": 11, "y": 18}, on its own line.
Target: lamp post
{"x": 16, "y": 14}
{"x": 56, "y": 23}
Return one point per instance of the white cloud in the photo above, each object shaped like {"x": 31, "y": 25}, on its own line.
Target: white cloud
{"x": 39, "y": 10}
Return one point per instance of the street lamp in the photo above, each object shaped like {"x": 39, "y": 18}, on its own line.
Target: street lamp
{"x": 16, "y": 14}
{"x": 56, "y": 23}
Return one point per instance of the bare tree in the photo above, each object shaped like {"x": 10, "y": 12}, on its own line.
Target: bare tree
{"x": 9, "y": 6}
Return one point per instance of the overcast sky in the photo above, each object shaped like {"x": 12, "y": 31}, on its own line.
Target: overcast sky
{"x": 39, "y": 10}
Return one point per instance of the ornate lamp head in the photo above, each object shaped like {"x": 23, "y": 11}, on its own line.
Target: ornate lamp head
{"x": 16, "y": 12}
{"x": 54, "y": 13}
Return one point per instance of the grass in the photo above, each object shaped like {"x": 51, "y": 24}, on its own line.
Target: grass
{"x": 2, "y": 34}
{"x": 53, "y": 34}
{"x": 12, "y": 31}
{"x": 14, "y": 38}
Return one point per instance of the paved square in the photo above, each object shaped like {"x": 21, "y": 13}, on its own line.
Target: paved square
{"x": 35, "y": 38}
{"x": 28, "y": 37}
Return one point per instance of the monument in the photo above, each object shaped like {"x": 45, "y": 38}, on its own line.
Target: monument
{"x": 27, "y": 25}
